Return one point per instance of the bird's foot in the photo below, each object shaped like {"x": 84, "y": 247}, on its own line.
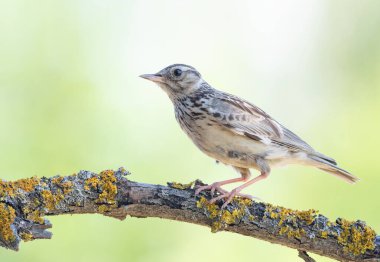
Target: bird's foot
{"x": 229, "y": 196}
{"x": 213, "y": 187}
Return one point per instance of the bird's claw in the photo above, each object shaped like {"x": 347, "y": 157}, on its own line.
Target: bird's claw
{"x": 224, "y": 194}
{"x": 229, "y": 196}
{"x": 213, "y": 187}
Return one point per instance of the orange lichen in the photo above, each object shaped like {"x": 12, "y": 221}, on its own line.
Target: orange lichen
{"x": 243, "y": 201}
{"x": 227, "y": 217}
{"x": 26, "y": 236}
{"x": 11, "y": 188}
{"x": 66, "y": 187}
{"x": 36, "y": 207}
{"x": 307, "y": 215}
{"x": 51, "y": 200}
{"x": 46, "y": 198}
{"x": 323, "y": 234}
{"x": 224, "y": 217}
{"x": 211, "y": 209}
{"x": 35, "y": 216}
{"x": 237, "y": 213}
{"x": 216, "y": 226}
{"x": 356, "y": 239}
{"x": 106, "y": 184}
{"x": 57, "y": 180}
{"x": 108, "y": 187}
{"x": 292, "y": 232}
{"x": 289, "y": 220}
{"x": 290, "y": 215}
{"x": 7, "y": 217}
{"x": 106, "y": 208}
{"x": 91, "y": 182}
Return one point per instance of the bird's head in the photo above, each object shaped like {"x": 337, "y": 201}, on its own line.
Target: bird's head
{"x": 177, "y": 80}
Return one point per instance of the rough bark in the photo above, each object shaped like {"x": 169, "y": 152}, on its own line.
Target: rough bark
{"x": 24, "y": 203}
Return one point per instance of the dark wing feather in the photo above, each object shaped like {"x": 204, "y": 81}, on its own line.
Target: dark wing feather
{"x": 243, "y": 118}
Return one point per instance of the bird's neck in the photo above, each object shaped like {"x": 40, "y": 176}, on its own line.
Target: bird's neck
{"x": 203, "y": 91}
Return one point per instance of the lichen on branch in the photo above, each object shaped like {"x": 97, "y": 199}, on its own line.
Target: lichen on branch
{"x": 25, "y": 203}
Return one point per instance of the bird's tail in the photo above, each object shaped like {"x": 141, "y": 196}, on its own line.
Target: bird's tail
{"x": 329, "y": 165}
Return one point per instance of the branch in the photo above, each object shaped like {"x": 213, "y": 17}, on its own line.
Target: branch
{"x": 25, "y": 202}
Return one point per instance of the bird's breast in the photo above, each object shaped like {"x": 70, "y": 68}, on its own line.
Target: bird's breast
{"x": 217, "y": 142}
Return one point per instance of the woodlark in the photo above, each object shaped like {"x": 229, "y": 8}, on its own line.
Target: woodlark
{"x": 234, "y": 131}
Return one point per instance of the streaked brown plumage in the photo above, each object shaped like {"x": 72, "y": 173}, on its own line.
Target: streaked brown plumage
{"x": 234, "y": 131}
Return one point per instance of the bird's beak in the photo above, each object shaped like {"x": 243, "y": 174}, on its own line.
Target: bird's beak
{"x": 153, "y": 77}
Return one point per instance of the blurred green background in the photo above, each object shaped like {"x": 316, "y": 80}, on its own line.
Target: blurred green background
{"x": 71, "y": 99}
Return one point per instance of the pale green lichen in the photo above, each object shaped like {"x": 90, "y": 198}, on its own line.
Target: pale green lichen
{"x": 181, "y": 186}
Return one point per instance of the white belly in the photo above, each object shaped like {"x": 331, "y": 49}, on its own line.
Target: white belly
{"x": 238, "y": 150}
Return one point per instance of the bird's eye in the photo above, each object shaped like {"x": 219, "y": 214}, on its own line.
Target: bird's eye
{"x": 177, "y": 72}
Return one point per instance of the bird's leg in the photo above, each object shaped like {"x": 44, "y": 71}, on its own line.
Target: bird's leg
{"x": 235, "y": 192}
{"x": 245, "y": 175}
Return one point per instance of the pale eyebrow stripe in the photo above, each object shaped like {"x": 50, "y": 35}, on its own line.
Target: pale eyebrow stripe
{"x": 195, "y": 72}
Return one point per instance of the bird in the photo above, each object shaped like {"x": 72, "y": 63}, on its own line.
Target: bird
{"x": 235, "y": 132}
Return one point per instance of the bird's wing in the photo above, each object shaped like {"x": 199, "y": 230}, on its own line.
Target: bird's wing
{"x": 243, "y": 118}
